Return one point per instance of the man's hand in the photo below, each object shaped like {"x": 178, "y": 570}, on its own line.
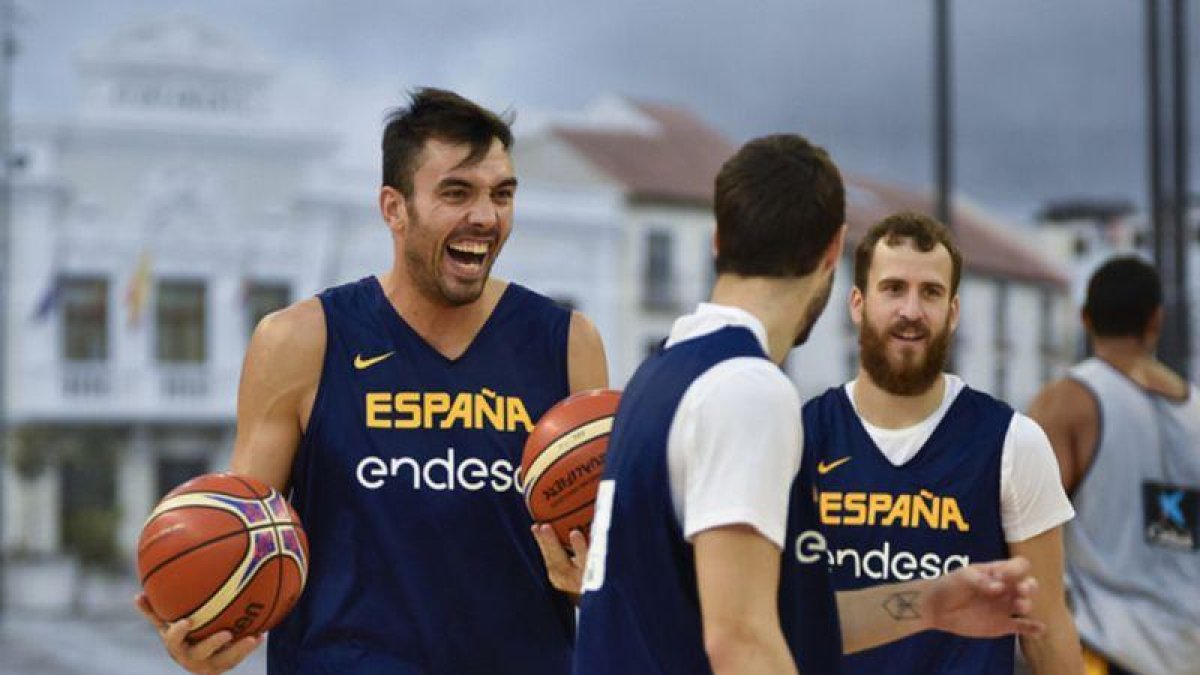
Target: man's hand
{"x": 564, "y": 567}
{"x": 982, "y": 600}
{"x": 211, "y": 656}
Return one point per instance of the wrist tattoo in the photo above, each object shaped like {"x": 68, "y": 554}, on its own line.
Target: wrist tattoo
{"x": 902, "y": 606}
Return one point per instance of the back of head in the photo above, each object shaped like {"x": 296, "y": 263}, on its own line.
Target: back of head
{"x": 440, "y": 114}
{"x": 924, "y": 232}
{"x": 779, "y": 202}
{"x": 1122, "y": 296}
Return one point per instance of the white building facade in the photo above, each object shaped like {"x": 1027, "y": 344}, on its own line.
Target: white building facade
{"x": 155, "y": 227}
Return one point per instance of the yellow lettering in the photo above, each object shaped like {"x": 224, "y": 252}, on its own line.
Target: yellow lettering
{"x": 408, "y": 407}
{"x": 899, "y": 512}
{"x": 436, "y": 403}
{"x": 377, "y": 404}
{"x": 881, "y": 503}
{"x": 951, "y": 514}
{"x": 830, "y": 505}
{"x": 460, "y": 412}
{"x": 490, "y": 409}
{"x": 925, "y": 507}
{"x": 518, "y": 414}
{"x": 856, "y": 506}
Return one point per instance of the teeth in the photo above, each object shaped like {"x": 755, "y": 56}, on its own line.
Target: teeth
{"x": 473, "y": 247}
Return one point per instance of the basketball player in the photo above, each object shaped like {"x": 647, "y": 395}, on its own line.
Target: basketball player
{"x": 1126, "y": 431}
{"x": 394, "y": 409}
{"x": 701, "y": 493}
{"x": 918, "y": 474}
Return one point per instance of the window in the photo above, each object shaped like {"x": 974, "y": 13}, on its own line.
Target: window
{"x": 172, "y": 471}
{"x": 179, "y": 318}
{"x": 262, "y": 298}
{"x": 658, "y": 274}
{"x": 84, "y": 318}
{"x": 88, "y": 512}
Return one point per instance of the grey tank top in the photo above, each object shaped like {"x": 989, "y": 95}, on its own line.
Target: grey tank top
{"x": 1133, "y": 567}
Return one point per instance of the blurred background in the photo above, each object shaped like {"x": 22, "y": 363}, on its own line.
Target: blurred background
{"x": 176, "y": 169}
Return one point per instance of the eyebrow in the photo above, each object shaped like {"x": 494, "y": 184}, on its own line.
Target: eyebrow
{"x": 924, "y": 284}
{"x": 510, "y": 182}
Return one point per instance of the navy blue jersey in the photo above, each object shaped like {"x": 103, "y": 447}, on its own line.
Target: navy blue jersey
{"x": 882, "y": 523}
{"x": 422, "y": 558}
{"x": 641, "y": 610}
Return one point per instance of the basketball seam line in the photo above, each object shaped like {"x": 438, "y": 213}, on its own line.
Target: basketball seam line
{"x": 554, "y": 441}
{"x": 571, "y": 512}
{"x": 555, "y": 462}
{"x": 205, "y": 542}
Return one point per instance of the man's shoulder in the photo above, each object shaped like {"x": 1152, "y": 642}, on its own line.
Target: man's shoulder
{"x": 296, "y": 332}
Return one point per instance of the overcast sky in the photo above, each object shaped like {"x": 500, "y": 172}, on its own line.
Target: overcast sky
{"x": 1049, "y": 95}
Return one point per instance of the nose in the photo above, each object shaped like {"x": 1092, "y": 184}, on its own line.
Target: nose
{"x": 910, "y": 306}
{"x": 484, "y": 213}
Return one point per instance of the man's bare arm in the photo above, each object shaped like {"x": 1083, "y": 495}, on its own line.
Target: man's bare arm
{"x": 279, "y": 381}
{"x": 737, "y": 572}
{"x": 981, "y": 600}
{"x": 1067, "y": 411}
{"x": 1058, "y": 651}
{"x": 587, "y": 367}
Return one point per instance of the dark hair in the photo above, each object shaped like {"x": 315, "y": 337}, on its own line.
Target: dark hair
{"x": 778, "y": 202}
{"x": 1121, "y": 297}
{"x": 440, "y": 114}
{"x": 925, "y": 234}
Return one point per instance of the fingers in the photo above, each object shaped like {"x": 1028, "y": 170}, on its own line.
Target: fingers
{"x": 232, "y": 655}
{"x": 1000, "y": 576}
{"x": 1026, "y": 626}
{"x": 175, "y": 636}
{"x": 579, "y": 547}
{"x": 143, "y": 605}
{"x": 1010, "y": 570}
{"x": 553, "y": 552}
{"x": 204, "y": 649}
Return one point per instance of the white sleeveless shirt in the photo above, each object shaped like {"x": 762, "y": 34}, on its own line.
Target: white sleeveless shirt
{"x": 1133, "y": 555}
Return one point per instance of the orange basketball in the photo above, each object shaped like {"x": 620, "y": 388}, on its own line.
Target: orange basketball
{"x": 226, "y": 551}
{"x": 564, "y": 459}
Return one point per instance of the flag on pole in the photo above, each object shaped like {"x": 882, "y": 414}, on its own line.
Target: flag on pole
{"x": 139, "y": 289}
{"x": 48, "y": 300}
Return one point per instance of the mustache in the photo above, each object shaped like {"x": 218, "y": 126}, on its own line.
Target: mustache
{"x": 909, "y": 326}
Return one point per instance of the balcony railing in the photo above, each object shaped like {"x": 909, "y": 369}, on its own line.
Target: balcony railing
{"x": 86, "y": 380}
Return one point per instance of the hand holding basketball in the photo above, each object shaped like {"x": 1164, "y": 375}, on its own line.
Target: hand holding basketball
{"x": 226, "y": 553}
{"x": 564, "y": 460}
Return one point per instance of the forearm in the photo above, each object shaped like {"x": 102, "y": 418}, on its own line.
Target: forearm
{"x": 875, "y": 616}
{"x": 1058, "y": 651}
{"x": 749, "y": 653}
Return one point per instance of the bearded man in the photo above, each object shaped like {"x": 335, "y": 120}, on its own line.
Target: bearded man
{"x": 917, "y": 474}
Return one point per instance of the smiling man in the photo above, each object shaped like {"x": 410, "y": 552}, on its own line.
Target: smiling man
{"x": 394, "y": 409}
{"x": 917, "y": 474}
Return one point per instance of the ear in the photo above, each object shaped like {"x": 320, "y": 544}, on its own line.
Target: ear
{"x": 1155, "y": 324}
{"x": 856, "y": 305}
{"x": 393, "y": 208}
{"x": 1085, "y": 320}
{"x": 953, "y": 318}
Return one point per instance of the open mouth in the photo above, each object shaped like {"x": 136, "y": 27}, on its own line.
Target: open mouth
{"x": 468, "y": 253}
{"x": 911, "y": 338}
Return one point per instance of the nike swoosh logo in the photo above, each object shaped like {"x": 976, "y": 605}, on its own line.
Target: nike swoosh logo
{"x": 362, "y": 364}
{"x": 823, "y": 468}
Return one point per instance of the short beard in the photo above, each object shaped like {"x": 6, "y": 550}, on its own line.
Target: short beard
{"x": 909, "y": 379}
{"x": 813, "y": 312}
{"x": 426, "y": 278}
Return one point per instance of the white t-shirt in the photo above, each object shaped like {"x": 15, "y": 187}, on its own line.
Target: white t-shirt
{"x": 734, "y": 446}
{"x": 1032, "y": 499}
